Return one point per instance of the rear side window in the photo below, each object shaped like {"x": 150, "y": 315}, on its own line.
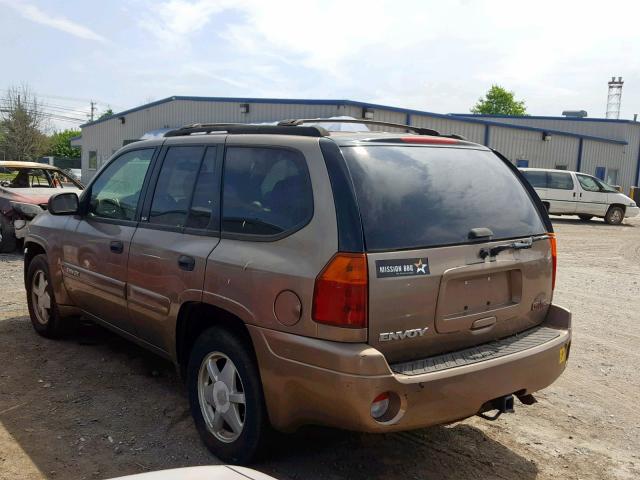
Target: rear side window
{"x": 172, "y": 196}
{"x": 266, "y": 191}
{"x": 415, "y": 197}
{"x": 536, "y": 178}
{"x": 560, "y": 181}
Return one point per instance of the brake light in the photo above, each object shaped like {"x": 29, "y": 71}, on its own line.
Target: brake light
{"x": 554, "y": 258}
{"x": 340, "y": 293}
{"x": 429, "y": 140}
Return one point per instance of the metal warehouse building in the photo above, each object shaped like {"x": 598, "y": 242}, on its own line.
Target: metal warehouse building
{"x": 608, "y": 149}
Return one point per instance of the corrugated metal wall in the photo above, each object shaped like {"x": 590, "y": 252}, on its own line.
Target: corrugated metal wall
{"x": 624, "y": 158}
{"x": 527, "y": 145}
{"x": 108, "y": 136}
{"x": 598, "y": 154}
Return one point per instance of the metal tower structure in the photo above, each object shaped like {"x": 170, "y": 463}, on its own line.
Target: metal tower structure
{"x": 614, "y": 97}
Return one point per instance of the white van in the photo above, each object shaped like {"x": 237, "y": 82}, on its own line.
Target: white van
{"x": 573, "y": 193}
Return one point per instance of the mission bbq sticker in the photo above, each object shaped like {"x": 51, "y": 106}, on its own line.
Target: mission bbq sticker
{"x": 406, "y": 267}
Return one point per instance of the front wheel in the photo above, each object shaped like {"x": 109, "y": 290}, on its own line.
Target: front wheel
{"x": 43, "y": 310}
{"x": 225, "y": 396}
{"x": 614, "y": 216}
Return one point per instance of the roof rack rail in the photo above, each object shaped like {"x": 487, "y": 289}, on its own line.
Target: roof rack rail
{"x": 243, "y": 128}
{"x": 302, "y": 121}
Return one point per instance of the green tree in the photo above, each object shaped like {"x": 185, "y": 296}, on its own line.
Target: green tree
{"x": 499, "y": 101}
{"x": 107, "y": 113}
{"x": 21, "y": 123}
{"x": 60, "y": 144}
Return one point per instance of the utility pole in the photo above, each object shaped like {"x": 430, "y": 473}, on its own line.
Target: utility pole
{"x": 93, "y": 109}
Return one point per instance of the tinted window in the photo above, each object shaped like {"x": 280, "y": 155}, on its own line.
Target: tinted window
{"x": 588, "y": 183}
{"x": 93, "y": 160}
{"x": 266, "y": 191}
{"x": 412, "y": 197}
{"x": 561, "y": 181}
{"x": 206, "y": 194}
{"x": 172, "y": 194}
{"x": 116, "y": 192}
{"x": 536, "y": 178}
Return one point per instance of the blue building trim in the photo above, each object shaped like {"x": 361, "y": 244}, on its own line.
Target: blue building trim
{"x": 407, "y": 120}
{"x": 542, "y": 117}
{"x": 363, "y": 105}
{"x": 579, "y": 162}
{"x": 487, "y": 135}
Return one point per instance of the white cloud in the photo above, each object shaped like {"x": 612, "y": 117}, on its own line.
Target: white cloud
{"x": 35, "y": 14}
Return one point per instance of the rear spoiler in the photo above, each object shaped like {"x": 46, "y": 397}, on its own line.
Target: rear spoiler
{"x": 542, "y": 210}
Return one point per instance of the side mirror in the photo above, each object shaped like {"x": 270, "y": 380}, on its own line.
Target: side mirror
{"x": 66, "y": 203}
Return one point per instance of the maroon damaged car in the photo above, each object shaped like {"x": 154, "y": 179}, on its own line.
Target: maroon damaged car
{"x": 25, "y": 188}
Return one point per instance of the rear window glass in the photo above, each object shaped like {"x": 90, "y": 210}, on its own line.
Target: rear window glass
{"x": 414, "y": 197}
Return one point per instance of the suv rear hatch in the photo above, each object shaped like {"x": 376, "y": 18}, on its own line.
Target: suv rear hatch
{"x": 429, "y": 216}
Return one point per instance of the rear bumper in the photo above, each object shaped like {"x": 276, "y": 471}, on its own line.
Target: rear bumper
{"x": 310, "y": 381}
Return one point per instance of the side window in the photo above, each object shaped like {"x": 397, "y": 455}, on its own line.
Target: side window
{"x": 93, "y": 160}
{"x": 561, "y": 181}
{"x": 588, "y": 183}
{"x": 172, "y": 195}
{"x": 116, "y": 192}
{"x": 202, "y": 214}
{"x": 266, "y": 191}
{"x": 536, "y": 178}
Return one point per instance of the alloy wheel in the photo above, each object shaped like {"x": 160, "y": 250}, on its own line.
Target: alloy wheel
{"x": 221, "y": 397}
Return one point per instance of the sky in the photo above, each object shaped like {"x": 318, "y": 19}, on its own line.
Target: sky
{"x": 426, "y": 55}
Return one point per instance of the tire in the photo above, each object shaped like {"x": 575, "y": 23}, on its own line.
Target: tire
{"x": 46, "y": 321}
{"x": 614, "y": 216}
{"x": 585, "y": 218}
{"x": 8, "y": 240}
{"x": 221, "y": 399}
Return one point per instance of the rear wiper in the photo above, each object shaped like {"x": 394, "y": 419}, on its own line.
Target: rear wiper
{"x": 493, "y": 251}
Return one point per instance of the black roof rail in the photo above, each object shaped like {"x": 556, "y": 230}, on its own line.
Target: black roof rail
{"x": 302, "y": 121}
{"x": 243, "y": 128}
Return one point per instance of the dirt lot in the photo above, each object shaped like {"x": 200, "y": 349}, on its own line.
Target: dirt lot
{"x": 95, "y": 406}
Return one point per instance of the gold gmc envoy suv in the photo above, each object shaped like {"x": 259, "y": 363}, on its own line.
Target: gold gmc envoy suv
{"x": 368, "y": 281}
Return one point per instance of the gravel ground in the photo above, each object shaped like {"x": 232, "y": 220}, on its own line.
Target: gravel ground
{"x": 96, "y": 406}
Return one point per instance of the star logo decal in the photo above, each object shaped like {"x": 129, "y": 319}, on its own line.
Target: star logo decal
{"x": 420, "y": 267}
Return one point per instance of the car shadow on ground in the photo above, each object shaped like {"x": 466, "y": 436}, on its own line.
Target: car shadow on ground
{"x": 595, "y": 222}
{"x": 97, "y": 406}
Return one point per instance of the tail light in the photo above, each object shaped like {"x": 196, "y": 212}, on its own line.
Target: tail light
{"x": 554, "y": 258}
{"x": 340, "y": 294}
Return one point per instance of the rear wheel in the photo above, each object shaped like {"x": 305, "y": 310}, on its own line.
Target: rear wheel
{"x": 8, "y": 241}
{"x": 585, "y": 218}
{"x": 43, "y": 310}
{"x": 614, "y": 216}
{"x": 225, "y": 395}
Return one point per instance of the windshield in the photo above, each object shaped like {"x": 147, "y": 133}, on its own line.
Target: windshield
{"x": 11, "y": 177}
{"x": 414, "y": 197}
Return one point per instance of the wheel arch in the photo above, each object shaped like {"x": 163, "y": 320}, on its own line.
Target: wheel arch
{"x": 194, "y": 318}
{"x": 31, "y": 250}
{"x": 621, "y": 205}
